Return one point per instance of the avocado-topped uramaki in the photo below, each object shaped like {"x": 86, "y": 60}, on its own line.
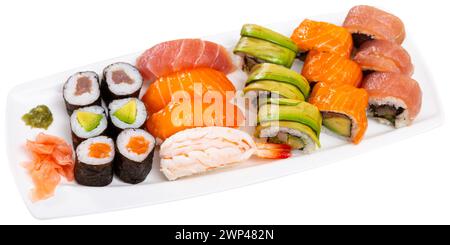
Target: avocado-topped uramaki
{"x": 343, "y": 108}
{"x": 291, "y": 122}
{"x": 261, "y": 45}
{"x": 277, "y": 79}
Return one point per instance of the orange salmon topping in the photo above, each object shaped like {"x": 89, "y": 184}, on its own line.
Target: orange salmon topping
{"x": 138, "y": 145}
{"x": 99, "y": 150}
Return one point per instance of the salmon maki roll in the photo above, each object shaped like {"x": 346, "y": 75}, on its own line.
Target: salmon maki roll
{"x": 322, "y": 36}
{"x": 177, "y": 55}
{"x": 384, "y": 56}
{"x": 343, "y": 109}
{"x": 160, "y": 93}
{"x": 331, "y": 68}
{"x": 394, "y": 98}
{"x": 368, "y": 23}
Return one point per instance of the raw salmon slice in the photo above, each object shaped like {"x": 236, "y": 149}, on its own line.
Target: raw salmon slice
{"x": 322, "y": 36}
{"x": 172, "y": 56}
{"x": 384, "y": 56}
{"x": 331, "y": 69}
{"x": 160, "y": 93}
{"x": 366, "y": 22}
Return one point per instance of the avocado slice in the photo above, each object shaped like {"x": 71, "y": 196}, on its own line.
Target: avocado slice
{"x": 292, "y": 125}
{"x": 302, "y": 112}
{"x": 284, "y": 138}
{"x": 89, "y": 120}
{"x": 283, "y": 89}
{"x": 127, "y": 113}
{"x": 256, "y": 31}
{"x": 266, "y": 51}
{"x": 267, "y": 71}
{"x": 338, "y": 123}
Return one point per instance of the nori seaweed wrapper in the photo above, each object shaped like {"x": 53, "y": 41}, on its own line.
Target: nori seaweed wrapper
{"x": 108, "y": 95}
{"x": 71, "y": 108}
{"x": 130, "y": 171}
{"x": 93, "y": 175}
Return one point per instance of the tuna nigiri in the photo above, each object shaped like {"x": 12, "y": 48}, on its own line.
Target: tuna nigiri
{"x": 177, "y": 55}
{"x": 343, "y": 109}
{"x": 160, "y": 93}
{"x": 367, "y": 23}
{"x": 331, "y": 69}
{"x": 322, "y": 36}
{"x": 394, "y": 98}
{"x": 384, "y": 56}
{"x": 52, "y": 158}
{"x": 181, "y": 115}
{"x": 200, "y": 150}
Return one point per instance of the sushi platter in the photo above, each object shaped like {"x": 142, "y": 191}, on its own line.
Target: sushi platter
{"x": 107, "y": 136}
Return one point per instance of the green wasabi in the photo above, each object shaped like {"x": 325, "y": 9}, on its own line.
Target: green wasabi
{"x": 38, "y": 117}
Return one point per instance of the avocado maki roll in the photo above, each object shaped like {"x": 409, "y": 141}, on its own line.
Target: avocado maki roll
{"x": 126, "y": 113}
{"x": 120, "y": 80}
{"x": 276, "y": 79}
{"x": 292, "y": 122}
{"x": 88, "y": 122}
{"x": 134, "y": 157}
{"x": 261, "y": 45}
{"x": 94, "y": 162}
{"x": 80, "y": 90}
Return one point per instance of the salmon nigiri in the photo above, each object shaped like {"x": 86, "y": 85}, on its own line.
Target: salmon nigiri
{"x": 160, "y": 93}
{"x": 368, "y": 23}
{"x": 331, "y": 69}
{"x": 181, "y": 115}
{"x": 177, "y": 55}
{"x": 322, "y": 36}
{"x": 384, "y": 56}
{"x": 343, "y": 109}
{"x": 394, "y": 98}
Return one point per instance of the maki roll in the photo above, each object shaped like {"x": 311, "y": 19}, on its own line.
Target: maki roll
{"x": 80, "y": 90}
{"x": 134, "y": 157}
{"x": 368, "y": 23}
{"x": 331, "y": 68}
{"x": 126, "y": 113}
{"x": 292, "y": 122}
{"x": 120, "y": 80}
{"x": 343, "y": 109}
{"x": 261, "y": 45}
{"x": 276, "y": 79}
{"x": 323, "y": 37}
{"x": 87, "y": 122}
{"x": 394, "y": 99}
{"x": 94, "y": 162}
{"x": 384, "y": 56}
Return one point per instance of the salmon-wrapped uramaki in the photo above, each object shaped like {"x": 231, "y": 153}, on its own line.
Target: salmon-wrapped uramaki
{"x": 394, "y": 98}
{"x": 343, "y": 109}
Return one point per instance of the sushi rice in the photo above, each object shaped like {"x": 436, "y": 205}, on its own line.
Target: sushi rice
{"x": 123, "y": 88}
{"x": 83, "y": 151}
{"x": 79, "y": 131}
{"x": 269, "y": 132}
{"x": 124, "y": 138}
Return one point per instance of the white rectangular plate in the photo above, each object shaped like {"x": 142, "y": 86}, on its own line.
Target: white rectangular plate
{"x": 71, "y": 199}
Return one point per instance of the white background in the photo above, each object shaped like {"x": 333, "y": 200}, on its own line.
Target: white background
{"x": 407, "y": 182}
